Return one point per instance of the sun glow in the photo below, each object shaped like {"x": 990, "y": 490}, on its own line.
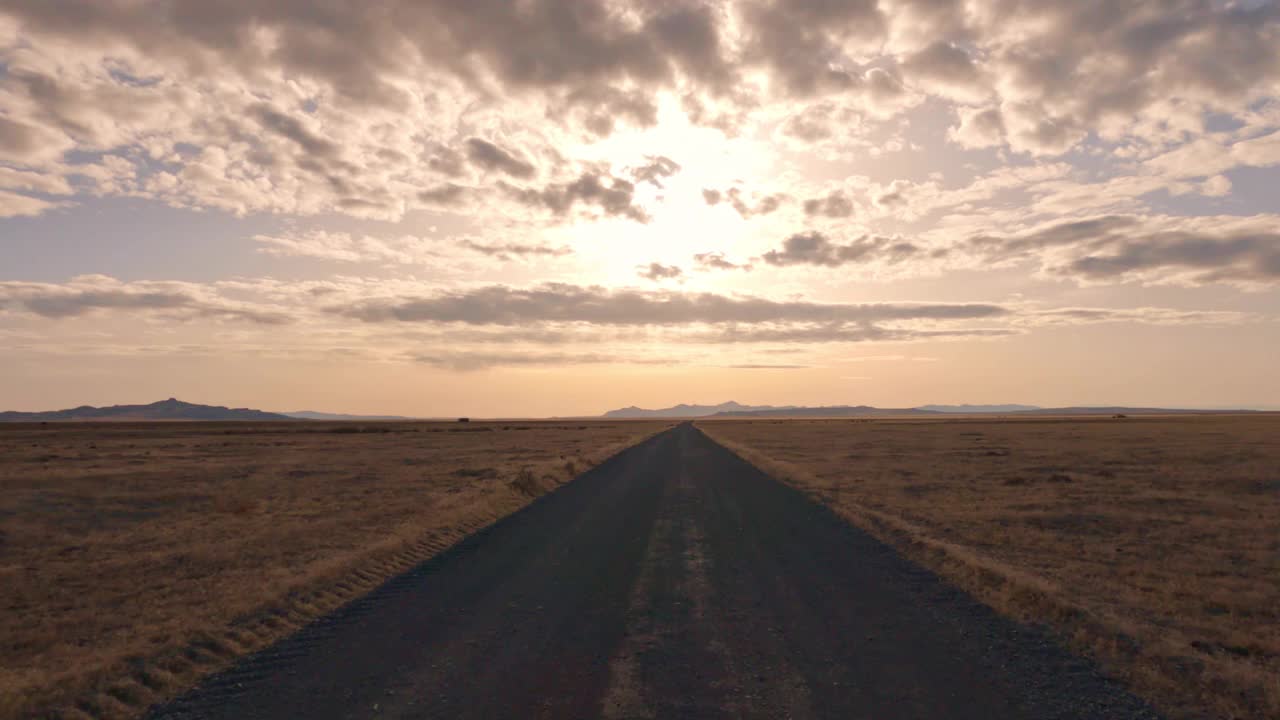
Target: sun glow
{"x": 681, "y": 223}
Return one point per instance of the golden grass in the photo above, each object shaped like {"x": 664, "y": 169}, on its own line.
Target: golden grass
{"x": 135, "y": 559}
{"x": 1151, "y": 544}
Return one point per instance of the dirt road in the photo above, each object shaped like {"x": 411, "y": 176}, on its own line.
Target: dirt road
{"x": 673, "y": 581}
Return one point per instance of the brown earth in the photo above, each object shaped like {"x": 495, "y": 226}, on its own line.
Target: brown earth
{"x": 137, "y": 558}
{"x": 1150, "y": 544}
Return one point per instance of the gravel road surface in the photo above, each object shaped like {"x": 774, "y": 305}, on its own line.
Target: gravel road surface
{"x": 673, "y": 581}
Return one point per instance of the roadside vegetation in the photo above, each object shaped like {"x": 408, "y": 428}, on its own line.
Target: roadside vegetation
{"x": 1151, "y": 544}
{"x": 137, "y": 558}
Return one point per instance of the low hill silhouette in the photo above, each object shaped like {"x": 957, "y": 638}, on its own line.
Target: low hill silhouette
{"x": 171, "y": 409}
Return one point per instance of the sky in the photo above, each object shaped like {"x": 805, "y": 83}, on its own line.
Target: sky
{"x": 554, "y": 208}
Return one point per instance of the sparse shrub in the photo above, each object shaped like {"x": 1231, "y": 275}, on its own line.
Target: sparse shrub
{"x": 526, "y": 483}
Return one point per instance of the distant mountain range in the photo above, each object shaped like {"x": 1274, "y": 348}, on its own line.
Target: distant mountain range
{"x": 828, "y": 411}
{"x": 312, "y": 415}
{"x": 170, "y": 409}
{"x": 692, "y": 410}
{"x": 979, "y": 408}
{"x": 733, "y": 409}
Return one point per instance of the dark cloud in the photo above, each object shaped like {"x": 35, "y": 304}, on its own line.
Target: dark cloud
{"x": 658, "y": 271}
{"x": 838, "y": 332}
{"x": 445, "y": 195}
{"x": 614, "y": 198}
{"x": 717, "y": 261}
{"x": 894, "y": 198}
{"x": 292, "y": 129}
{"x": 445, "y": 161}
{"x": 605, "y": 106}
{"x": 1247, "y": 257}
{"x": 814, "y": 248}
{"x": 579, "y": 49}
{"x": 491, "y": 157}
{"x": 837, "y": 125}
{"x": 560, "y": 303}
{"x": 1145, "y": 315}
{"x": 657, "y": 168}
{"x": 507, "y": 251}
{"x": 761, "y": 205}
{"x": 803, "y": 41}
{"x": 1088, "y": 62}
{"x": 691, "y": 36}
{"x": 19, "y": 141}
{"x": 947, "y": 67}
{"x": 835, "y": 205}
{"x": 170, "y": 299}
{"x": 1119, "y": 247}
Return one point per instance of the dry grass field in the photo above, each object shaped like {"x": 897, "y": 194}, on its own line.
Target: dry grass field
{"x": 136, "y": 558}
{"x": 1149, "y": 543}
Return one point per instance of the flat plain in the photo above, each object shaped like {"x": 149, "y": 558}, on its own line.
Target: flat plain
{"x": 136, "y": 558}
{"x": 1151, "y": 544}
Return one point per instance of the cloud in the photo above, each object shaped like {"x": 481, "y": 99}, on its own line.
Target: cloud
{"x": 978, "y": 128}
{"x": 834, "y": 205}
{"x": 293, "y": 129}
{"x": 1143, "y": 315}
{"x": 391, "y": 320}
{"x": 824, "y": 124}
{"x": 22, "y": 142}
{"x": 15, "y": 205}
{"x": 403, "y": 250}
{"x": 1214, "y": 155}
{"x": 506, "y": 251}
{"x": 814, "y": 248}
{"x": 446, "y": 195}
{"x": 658, "y": 271}
{"x": 947, "y": 70}
{"x": 90, "y": 293}
{"x": 805, "y": 43}
{"x": 717, "y": 261}
{"x": 1216, "y": 186}
{"x": 26, "y": 181}
{"x": 656, "y": 168}
{"x": 379, "y": 109}
{"x": 760, "y": 205}
{"x": 820, "y": 333}
{"x": 610, "y": 196}
{"x": 561, "y": 303}
{"x": 1152, "y": 250}
{"x": 491, "y": 157}
{"x": 344, "y": 247}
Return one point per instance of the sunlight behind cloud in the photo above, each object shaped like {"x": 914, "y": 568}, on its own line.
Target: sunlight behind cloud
{"x": 245, "y": 181}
